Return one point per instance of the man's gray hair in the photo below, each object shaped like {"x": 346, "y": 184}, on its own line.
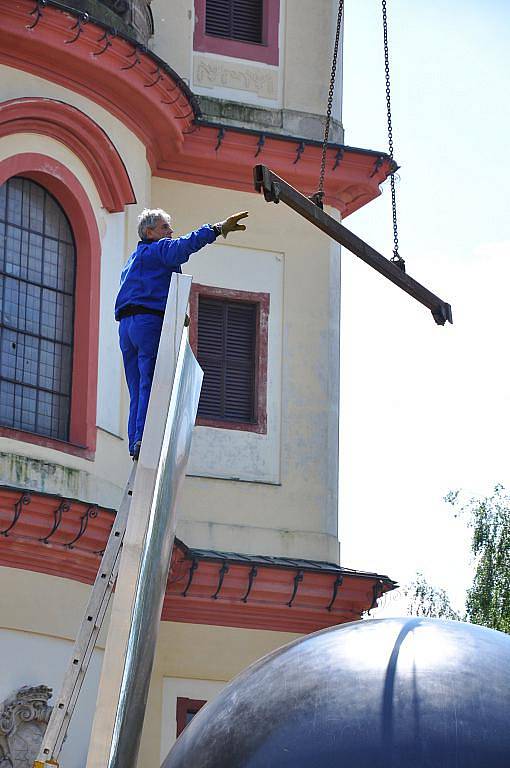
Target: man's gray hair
{"x": 149, "y": 218}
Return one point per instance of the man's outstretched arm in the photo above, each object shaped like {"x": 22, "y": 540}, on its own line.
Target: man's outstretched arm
{"x": 175, "y": 252}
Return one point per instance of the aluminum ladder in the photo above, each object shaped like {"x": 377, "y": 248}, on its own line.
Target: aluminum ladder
{"x": 97, "y": 606}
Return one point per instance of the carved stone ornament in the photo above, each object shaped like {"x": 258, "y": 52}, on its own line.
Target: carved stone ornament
{"x": 210, "y": 73}
{"x": 23, "y": 719}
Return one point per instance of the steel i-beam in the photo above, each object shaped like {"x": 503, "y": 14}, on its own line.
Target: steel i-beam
{"x": 276, "y": 189}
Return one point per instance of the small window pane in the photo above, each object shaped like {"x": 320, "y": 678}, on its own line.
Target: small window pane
{"x": 28, "y": 408}
{"x": 51, "y": 263}
{"x": 32, "y": 309}
{"x": 2, "y": 241}
{"x": 13, "y": 251}
{"x": 14, "y": 201}
{"x": 65, "y": 369}
{"x": 37, "y": 267}
{"x": 34, "y": 257}
{"x": 11, "y": 295}
{"x": 3, "y": 199}
{"x": 6, "y": 401}
{"x": 8, "y": 354}
{"x": 36, "y": 195}
{"x": 66, "y": 257}
{"x": 53, "y": 216}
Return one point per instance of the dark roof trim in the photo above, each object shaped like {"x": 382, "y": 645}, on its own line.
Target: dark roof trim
{"x": 133, "y": 41}
{"x": 70, "y": 499}
{"x": 233, "y": 558}
{"x": 212, "y": 555}
{"x": 287, "y": 137}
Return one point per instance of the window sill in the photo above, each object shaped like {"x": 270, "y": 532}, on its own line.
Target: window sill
{"x": 48, "y": 442}
{"x": 258, "y": 53}
{"x": 239, "y": 426}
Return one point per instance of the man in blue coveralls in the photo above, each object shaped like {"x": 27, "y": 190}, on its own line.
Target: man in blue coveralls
{"x": 141, "y": 301}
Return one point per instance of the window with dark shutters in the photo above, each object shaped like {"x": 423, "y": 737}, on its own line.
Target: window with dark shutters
{"x": 227, "y": 336}
{"x": 235, "y": 19}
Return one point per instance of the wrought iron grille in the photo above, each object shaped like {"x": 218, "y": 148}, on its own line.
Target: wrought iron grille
{"x": 37, "y": 279}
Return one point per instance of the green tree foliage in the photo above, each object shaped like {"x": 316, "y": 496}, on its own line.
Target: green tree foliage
{"x": 488, "y": 598}
{"x": 427, "y": 600}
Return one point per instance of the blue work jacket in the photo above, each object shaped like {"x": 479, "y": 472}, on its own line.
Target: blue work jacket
{"x": 145, "y": 279}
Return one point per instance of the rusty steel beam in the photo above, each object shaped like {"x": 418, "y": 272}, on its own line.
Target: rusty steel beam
{"x": 276, "y": 189}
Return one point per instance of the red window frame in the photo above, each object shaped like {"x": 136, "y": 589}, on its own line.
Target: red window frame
{"x": 71, "y": 196}
{"x": 259, "y": 425}
{"x": 266, "y": 52}
{"x": 183, "y": 707}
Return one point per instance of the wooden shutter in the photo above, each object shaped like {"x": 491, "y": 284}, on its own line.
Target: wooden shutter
{"x": 227, "y": 333}
{"x": 235, "y": 19}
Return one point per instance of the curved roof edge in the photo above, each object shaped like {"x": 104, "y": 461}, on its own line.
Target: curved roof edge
{"x": 163, "y": 65}
{"x": 59, "y": 536}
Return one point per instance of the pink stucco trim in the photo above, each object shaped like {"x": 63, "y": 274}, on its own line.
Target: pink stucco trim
{"x": 266, "y": 53}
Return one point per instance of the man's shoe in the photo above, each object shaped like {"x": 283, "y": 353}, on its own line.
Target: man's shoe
{"x": 136, "y": 450}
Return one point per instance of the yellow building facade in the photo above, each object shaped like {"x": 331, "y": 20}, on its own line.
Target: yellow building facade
{"x": 108, "y": 108}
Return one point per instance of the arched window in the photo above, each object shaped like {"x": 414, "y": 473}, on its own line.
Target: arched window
{"x": 37, "y": 278}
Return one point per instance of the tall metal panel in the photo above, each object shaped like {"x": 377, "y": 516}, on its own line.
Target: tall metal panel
{"x": 147, "y": 549}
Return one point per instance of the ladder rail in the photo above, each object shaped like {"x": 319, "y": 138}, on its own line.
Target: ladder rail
{"x": 86, "y": 638}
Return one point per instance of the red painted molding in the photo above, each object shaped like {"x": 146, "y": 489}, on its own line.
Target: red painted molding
{"x": 48, "y": 534}
{"x": 155, "y": 108}
{"x": 81, "y": 135}
{"x": 27, "y": 520}
{"x": 262, "y": 302}
{"x": 267, "y": 52}
{"x": 125, "y": 81}
{"x": 267, "y": 605}
{"x": 354, "y": 182}
{"x": 66, "y": 188}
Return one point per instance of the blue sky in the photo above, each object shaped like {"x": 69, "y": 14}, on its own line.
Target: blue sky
{"x": 425, "y": 408}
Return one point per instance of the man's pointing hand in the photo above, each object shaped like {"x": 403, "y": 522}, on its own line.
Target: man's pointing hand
{"x": 232, "y": 223}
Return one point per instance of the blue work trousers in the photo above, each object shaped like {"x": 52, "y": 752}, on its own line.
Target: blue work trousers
{"x": 139, "y": 341}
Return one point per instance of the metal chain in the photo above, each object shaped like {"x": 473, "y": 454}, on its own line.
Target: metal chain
{"x": 399, "y": 261}
{"x": 320, "y": 192}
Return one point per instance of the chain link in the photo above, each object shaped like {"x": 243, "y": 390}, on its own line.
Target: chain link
{"x": 320, "y": 193}
{"x": 396, "y": 257}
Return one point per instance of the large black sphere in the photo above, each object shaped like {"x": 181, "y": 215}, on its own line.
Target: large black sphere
{"x": 388, "y": 693}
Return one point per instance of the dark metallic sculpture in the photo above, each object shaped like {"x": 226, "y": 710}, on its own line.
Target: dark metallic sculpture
{"x": 372, "y": 694}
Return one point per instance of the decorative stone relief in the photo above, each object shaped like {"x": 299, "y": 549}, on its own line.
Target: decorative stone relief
{"x": 23, "y": 719}
{"x": 210, "y": 74}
